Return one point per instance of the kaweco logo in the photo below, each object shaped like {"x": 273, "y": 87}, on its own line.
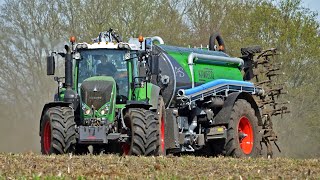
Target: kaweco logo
{"x": 95, "y": 97}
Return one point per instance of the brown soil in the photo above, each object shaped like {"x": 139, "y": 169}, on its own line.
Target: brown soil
{"x": 30, "y": 165}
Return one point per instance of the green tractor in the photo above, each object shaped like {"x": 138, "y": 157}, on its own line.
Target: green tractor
{"x": 147, "y": 98}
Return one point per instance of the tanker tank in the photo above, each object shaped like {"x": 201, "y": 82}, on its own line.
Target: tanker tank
{"x": 185, "y": 68}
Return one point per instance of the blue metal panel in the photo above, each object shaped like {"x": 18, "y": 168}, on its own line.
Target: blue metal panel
{"x": 218, "y": 83}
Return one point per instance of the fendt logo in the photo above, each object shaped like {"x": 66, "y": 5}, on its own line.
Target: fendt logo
{"x": 206, "y": 74}
{"x": 95, "y": 97}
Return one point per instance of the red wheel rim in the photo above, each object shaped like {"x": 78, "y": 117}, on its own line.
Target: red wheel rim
{"x": 162, "y": 134}
{"x": 47, "y": 137}
{"x": 245, "y": 134}
{"x": 125, "y": 148}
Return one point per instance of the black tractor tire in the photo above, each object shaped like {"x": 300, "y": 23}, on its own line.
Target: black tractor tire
{"x": 141, "y": 123}
{"x": 156, "y": 132}
{"x": 251, "y": 50}
{"x": 243, "y": 137}
{"x": 58, "y": 133}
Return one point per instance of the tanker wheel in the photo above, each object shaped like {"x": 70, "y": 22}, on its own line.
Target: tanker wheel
{"x": 243, "y": 138}
{"x": 141, "y": 123}
{"x": 156, "y": 131}
{"x": 58, "y": 134}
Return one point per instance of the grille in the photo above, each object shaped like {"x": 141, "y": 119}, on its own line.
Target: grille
{"x": 96, "y": 93}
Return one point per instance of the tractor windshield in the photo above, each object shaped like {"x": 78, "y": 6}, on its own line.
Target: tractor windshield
{"x": 104, "y": 62}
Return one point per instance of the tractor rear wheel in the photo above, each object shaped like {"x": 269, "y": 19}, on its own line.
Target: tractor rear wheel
{"x": 243, "y": 138}
{"x": 58, "y": 134}
{"x": 141, "y": 122}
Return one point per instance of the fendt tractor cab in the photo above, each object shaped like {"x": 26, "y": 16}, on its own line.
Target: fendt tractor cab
{"x": 148, "y": 98}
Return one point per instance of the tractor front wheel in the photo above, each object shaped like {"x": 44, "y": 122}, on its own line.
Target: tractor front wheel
{"x": 243, "y": 138}
{"x": 141, "y": 124}
{"x": 58, "y": 134}
{"x": 156, "y": 131}
{"x": 138, "y": 120}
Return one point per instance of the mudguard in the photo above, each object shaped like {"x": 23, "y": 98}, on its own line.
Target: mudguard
{"x": 224, "y": 114}
{"x": 50, "y": 105}
{"x": 138, "y": 104}
{"x": 155, "y": 91}
{"x": 171, "y": 139}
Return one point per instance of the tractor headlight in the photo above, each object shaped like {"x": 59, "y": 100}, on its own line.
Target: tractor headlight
{"x": 82, "y": 46}
{"x": 123, "y": 46}
{"x": 87, "y": 111}
{"x": 126, "y": 46}
{"x": 104, "y": 111}
{"x": 120, "y": 45}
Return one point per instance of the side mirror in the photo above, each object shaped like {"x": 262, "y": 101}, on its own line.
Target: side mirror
{"x": 148, "y": 43}
{"x": 50, "y": 65}
{"x": 154, "y": 64}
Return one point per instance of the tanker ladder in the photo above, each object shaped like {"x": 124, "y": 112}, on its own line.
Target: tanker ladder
{"x": 220, "y": 87}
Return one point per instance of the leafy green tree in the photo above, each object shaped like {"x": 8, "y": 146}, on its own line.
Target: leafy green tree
{"x": 26, "y": 36}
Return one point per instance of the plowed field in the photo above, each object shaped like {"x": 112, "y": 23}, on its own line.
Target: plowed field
{"x": 34, "y": 166}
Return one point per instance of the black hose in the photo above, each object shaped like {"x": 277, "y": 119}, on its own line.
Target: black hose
{"x": 221, "y": 46}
